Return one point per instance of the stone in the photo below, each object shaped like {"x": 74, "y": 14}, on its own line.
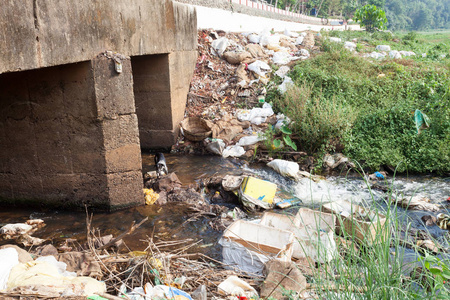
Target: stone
{"x": 167, "y": 183}
{"x": 48, "y": 250}
{"x": 429, "y": 220}
{"x": 282, "y": 276}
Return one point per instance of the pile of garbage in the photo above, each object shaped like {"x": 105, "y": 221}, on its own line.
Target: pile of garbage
{"x": 385, "y": 51}
{"x": 232, "y": 72}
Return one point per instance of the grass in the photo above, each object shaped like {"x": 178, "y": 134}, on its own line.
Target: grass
{"x": 366, "y": 107}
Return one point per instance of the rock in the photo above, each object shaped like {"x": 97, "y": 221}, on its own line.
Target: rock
{"x": 24, "y": 256}
{"x": 282, "y": 276}
{"x": 200, "y": 293}
{"x": 48, "y": 250}
{"x": 429, "y": 220}
{"x": 167, "y": 183}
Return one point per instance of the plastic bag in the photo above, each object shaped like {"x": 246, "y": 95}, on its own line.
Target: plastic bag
{"x": 290, "y": 33}
{"x": 383, "y": 48}
{"x": 249, "y": 140}
{"x": 304, "y": 52}
{"x": 254, "y": 38}
{"x": 281, "y": 58}
{"x": 60, "y": 266}
{"x": 282, "y": 71}
{"x": 336, "y": 40}
{"x": 284, "y": 167}
{"x": 350, "y": 46}
{"x": 258, "y": 67}
{"x": 216, "y": 146}
{"x": 220, "y": 45}
{"x": 287, "y": 82}
{"x": 422, "y": 121}
{"x": 299, "y": 40}
{"x": 8, "y": 259}
{"x": 256, "y": 115}
{"x": 395, "y": 54}
{"x": 235, "y": 286}
{"x": 269, "y": 39}
{"x": 233, "y": 151}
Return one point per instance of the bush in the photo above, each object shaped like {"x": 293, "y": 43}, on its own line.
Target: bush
{"x": 319, "y": 122}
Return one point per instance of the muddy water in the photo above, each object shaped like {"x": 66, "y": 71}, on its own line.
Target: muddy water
{"x": 169, "y": 222}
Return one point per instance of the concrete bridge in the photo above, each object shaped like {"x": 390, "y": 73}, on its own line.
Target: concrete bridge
{"x": 73, "y": 119}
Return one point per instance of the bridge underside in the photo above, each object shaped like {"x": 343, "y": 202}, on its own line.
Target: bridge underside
{"x": 72, "y": 129}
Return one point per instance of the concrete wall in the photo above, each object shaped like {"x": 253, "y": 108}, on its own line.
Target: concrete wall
{"x": 161, "y": 83}
{"x": 42, "y": 33}
{"x": 68, "y": 123}
{"x": 69, "y": 136}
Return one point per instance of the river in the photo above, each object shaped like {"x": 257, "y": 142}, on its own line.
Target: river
{"x": 169, "y": 221}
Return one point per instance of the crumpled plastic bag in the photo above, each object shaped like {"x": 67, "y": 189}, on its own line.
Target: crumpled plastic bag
{"x": 290, "y": 33}
{"x": 281, "y": 58}
{"x": 8, "y": 259}
{"x": 422, "y": 121}
{"x": 259, "y": 67}
{"x": 233, "y": 151}
{"x": 394, "y": 54}
{"x": 220, "y": 45}
{"x": 299, "y": 40}
{"x": 256, "y": 115}
{"x": 350, "y": 46}
{"x": 249, "y": 140}
{"x": 383, "y": 48}
{"x": 254, "y": 38}
{"x": 269, "y": 39}
{"x": 285, "y": 85}
{"x": 282, "y": 71}
{"x": 284, "y": 167}
{"x": 336, "y": 40}
{"x": 234, "y": 286}
{"x": 216, "y": 146}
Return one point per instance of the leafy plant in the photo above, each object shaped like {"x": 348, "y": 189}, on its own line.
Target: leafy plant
{"x": 371, "y": 17}
{"x": 439, "y": 273}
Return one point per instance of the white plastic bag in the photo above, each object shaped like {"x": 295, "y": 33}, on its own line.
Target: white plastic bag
{"x": 394, "y": 54}
{"x": 60, "y": 266}
{"x": 281, "y": 58}
{"x": 269, "y": 39}
{"x": 287, "y": 82}
{"x": 249, "y": 140}
{"x": 216, "y": 146}
{"x": 8, "y": 259}
{"x": 254, "y": 38}
{"x": 258, "y": 67}
{"x": 256, "y": 115}
{"x": 284, "y": 167}
{"x": 299, "y": 40}
{"x": 220, "y": 45}
{"x": 304, "y": 52}
{"x": 350, "y": 46}
{"x": 336, "y": 40}
{"x": 234, "y": 286}
{"x": 383, "y": 48}
{"x": 233, "y": 151}
{"x": 290, "y": 33}
{"x": 282, "y": 71}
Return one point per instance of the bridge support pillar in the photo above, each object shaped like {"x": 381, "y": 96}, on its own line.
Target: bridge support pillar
{"x": 69, "y": 136}
{"x": 161, "y": 83}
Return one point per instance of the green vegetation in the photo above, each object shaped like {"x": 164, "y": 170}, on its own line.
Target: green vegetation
{"x": 370, "y": 17}
{"x": 342, "y": 100}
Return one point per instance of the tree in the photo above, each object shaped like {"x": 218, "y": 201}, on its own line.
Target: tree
{"x": 371, "y": 17}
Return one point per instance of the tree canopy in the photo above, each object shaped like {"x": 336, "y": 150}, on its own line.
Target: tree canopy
{"x": 401, "y": 14}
